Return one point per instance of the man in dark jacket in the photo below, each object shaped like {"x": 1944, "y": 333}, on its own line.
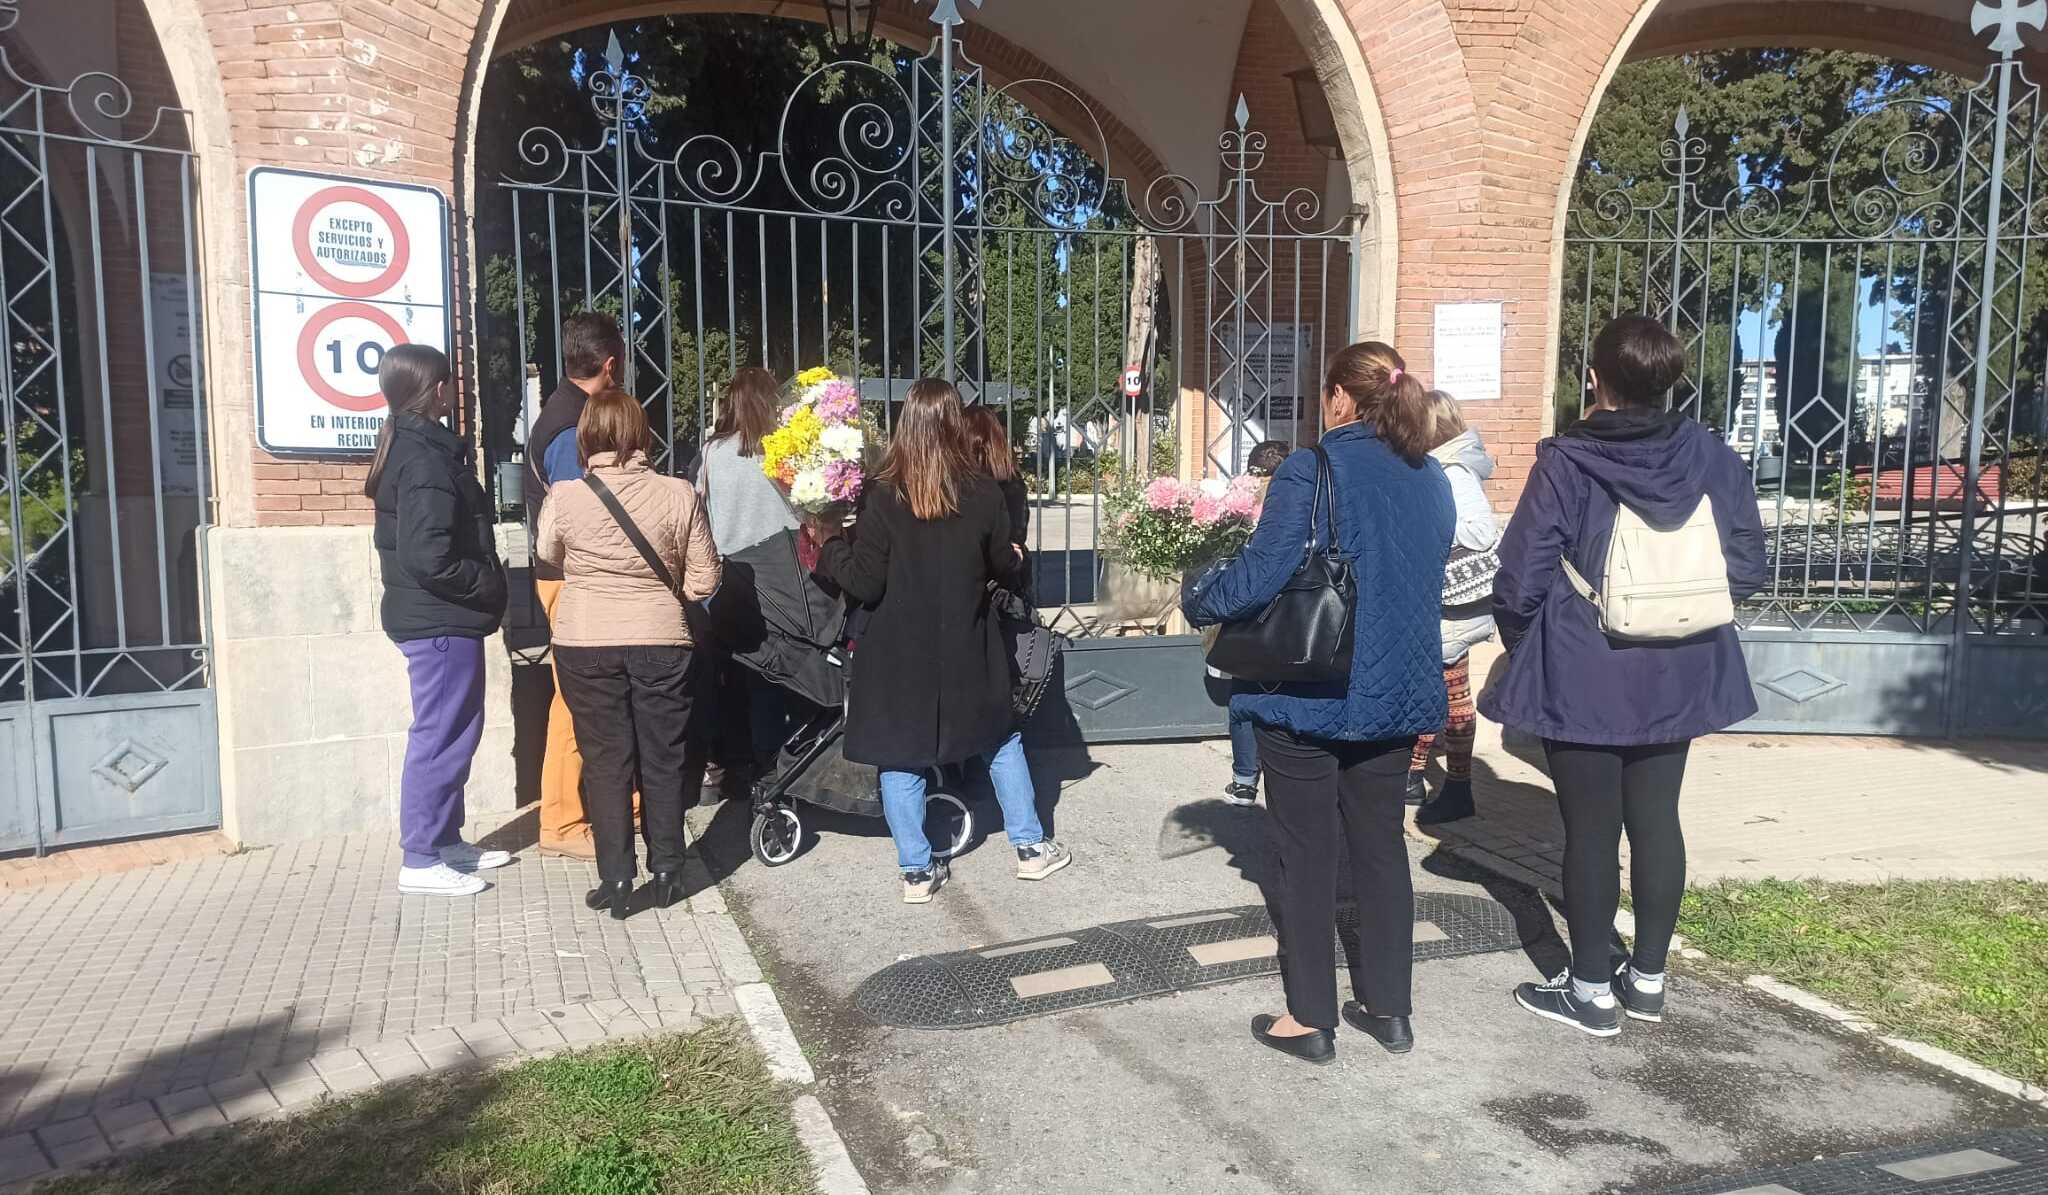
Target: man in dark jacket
{"x": 1618, "y": 717}
{"x": 593, "y": 352}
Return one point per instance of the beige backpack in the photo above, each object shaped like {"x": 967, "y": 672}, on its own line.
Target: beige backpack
{"x": 1661, "y": 584}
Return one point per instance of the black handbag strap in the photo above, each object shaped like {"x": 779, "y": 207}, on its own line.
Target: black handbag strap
{"x": 632, "y": 530}
{"x": 1325, "y": 483}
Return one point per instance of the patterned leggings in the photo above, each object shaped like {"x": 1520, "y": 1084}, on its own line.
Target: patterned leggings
{"x": 1458, "y": 731}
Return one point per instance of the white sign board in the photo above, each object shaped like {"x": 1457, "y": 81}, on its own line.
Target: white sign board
{"x": 170, "y": 331}
{"x": 341, "y": 269}
{"x": 1468, "y": 351}
{"x": 1134, "y": 382}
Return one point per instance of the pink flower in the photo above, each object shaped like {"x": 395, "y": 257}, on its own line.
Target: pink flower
{"x": 1207, "y": 510}
{"x": 1242, "y": 499}
{"x": 1164, "y": 493}
{"x": 1124, "y": 520}
{"x": 838, "y": 402}
{"x": 842, "y": 480}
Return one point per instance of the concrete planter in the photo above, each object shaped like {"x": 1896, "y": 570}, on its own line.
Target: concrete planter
{"x": 1133, "y": 597}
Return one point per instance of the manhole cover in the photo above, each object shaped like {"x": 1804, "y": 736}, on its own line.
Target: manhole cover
{"x": 2004, "y": 1162}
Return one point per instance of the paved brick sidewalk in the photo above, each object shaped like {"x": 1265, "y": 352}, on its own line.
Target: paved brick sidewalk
{"x": 144, "y": 1005}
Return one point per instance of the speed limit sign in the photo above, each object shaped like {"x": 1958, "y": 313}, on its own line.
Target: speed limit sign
{"x": 1134, "y": 382}
{"x": 342, "y": 269}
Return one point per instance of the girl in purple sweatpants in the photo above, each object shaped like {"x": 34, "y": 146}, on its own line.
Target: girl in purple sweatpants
{"x": 444, "y": 594}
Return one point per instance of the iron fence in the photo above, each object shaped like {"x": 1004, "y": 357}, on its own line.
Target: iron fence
{"x": 1870, "y": 336}
{"x": 911, "y": 217}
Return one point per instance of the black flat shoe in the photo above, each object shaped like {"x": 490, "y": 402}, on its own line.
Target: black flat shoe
{"x": 1318, "y": 1047}
{"x": 616, "y": 895}
{"x": 1392, "y": 1032}
{"x": 667, "y": 889}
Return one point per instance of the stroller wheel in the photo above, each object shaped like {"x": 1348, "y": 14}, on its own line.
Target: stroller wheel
{"x": 948, "y": 823}
{"x": 778, "y": 833}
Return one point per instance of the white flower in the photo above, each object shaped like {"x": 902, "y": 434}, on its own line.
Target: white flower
{"x": 1214, "y": 487}
{"x": 841, "y": 441}
{"x": 809, "y": 488}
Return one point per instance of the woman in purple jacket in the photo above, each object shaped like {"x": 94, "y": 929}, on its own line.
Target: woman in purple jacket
{"x": 1617, "y": 717}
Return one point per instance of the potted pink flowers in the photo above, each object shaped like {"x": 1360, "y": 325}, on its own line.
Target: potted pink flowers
{"x": 1158, "y": 531}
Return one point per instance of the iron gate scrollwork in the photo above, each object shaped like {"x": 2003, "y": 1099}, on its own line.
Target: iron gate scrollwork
{"x": 909, "y": 216}
{"x": 106, "y": 718}
{"x": 1867, "y": 338}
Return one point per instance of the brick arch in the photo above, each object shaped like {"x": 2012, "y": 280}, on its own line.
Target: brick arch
{"x": 1944, "y": 43}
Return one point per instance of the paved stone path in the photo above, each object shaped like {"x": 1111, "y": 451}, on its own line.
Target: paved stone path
{"x": 143, "y": 1005}
{"x": 1790, "y": 806}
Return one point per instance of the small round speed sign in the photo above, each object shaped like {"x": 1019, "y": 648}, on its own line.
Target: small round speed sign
{"x": 1134, "y": 382}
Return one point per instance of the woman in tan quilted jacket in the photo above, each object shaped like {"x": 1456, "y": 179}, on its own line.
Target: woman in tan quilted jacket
{"x": 622, "y": 648}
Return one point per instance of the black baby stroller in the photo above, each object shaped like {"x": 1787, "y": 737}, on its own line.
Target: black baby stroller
{"x": 803, "y": 644}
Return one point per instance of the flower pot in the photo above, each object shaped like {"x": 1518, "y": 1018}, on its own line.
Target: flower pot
{"x": 1128, "y": 596}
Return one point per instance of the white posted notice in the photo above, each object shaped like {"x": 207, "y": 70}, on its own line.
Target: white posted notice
{"x": 1468, "y": 351}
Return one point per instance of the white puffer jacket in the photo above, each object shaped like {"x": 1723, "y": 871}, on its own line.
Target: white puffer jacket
{"x": 1467, "y": 465}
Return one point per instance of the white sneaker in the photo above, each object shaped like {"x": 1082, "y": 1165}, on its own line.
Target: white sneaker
{"x": 438, "y": 880}
{"x": 468, "y": 856}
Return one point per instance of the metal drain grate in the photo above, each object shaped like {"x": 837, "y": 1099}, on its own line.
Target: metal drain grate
{"x": 2004, "y": 1162}
{"x": 1110, "y": 964}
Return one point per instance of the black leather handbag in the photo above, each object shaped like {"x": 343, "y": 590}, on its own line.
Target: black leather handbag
{"x": 1304, "y": 635}
{"x": 1034, "y": 650}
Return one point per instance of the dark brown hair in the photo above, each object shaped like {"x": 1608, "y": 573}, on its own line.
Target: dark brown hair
{"x": 1638, "y": 361}
{"x": 1390, "y": 398}
{"x": 1265, "y": 457}
{"x": 988, "y": 444}
{"x": 747, "y": 409}
{"x": 928, "y": 459}
{"x": 410, "y": 378}
{"x": 589, "y": 338}
{"x": 612, "y": 422}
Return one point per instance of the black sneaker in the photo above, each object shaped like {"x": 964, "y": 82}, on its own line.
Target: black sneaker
{"x": 1636, "y": 1002}
{"x": 1556, "y": 1001}
{"x": 1241, "y": 794}
{"x": 1452, "y": 803}
{"x": 1418, "y": 788}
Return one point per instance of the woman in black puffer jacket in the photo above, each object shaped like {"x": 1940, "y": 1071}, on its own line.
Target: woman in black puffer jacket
{"x": 444, "y": 594}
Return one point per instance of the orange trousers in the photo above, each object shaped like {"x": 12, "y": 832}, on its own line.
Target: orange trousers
{"x": 562, "y": 820}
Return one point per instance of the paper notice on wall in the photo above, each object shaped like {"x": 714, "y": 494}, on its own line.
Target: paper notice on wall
{"x": 1468, "y": 339}
{"x": 173, "y": 387}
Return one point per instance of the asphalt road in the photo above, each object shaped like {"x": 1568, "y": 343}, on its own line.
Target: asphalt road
{"x": 1169, "y": 1093}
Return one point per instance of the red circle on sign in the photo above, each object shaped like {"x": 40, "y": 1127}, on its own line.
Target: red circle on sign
{"x": 302, "y": 245}
{"x": 1134, "y": 382}
{"x": 309, "y": 341}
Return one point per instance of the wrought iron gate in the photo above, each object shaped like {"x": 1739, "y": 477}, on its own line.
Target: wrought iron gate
{"x": 106, "y": 720}
{"x": 913, "y": 218}
{"x": 1870, "y": 340}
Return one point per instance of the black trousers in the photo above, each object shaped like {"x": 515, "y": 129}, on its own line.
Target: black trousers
{"x": 1601, "y": 791}
{"x": 632, "y": 711}
{"x": 1320, "y": 797}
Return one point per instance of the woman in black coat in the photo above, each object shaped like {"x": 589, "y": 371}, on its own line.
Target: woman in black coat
{"x": 989, "y": 446}
{"x": 931, "y": 685}
{"x": 444, "y": 594}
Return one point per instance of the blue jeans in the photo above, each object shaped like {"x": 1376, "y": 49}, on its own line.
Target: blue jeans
{"x": 903, "y": 805}
{"x": 1244, "y": 750}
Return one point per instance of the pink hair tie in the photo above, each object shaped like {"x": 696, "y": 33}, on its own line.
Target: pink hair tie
{"x": 1393, "y": 375}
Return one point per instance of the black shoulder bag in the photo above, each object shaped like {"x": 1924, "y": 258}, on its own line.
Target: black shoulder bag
{"x": 1304, "y": 635}
{"x": 640, "y": 544}
{"x": 1033, "y": 648}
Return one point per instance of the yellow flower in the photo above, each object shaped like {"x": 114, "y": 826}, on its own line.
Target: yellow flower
{"x": 811, "y": 377}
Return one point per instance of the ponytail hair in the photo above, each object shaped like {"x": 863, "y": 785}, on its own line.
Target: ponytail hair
{"x": 410, "y": 379}
{"x": 1393, "y": 400}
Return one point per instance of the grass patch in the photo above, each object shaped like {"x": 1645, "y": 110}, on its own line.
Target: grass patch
{"x": 1961, "y": 965}
{"x": 687, "y": 1115}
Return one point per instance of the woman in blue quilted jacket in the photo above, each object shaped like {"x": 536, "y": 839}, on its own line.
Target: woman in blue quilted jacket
{"x": 1336, "y": 754}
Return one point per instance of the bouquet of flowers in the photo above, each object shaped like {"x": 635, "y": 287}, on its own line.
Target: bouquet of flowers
{"x": 816, "y": 454}
{"x": 1167, "y": 526}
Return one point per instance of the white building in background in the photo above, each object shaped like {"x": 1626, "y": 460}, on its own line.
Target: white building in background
{"x": 1888, "y": 388}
